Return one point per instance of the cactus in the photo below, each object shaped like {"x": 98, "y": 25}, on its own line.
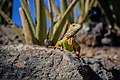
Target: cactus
{"x": 36, "y": 33}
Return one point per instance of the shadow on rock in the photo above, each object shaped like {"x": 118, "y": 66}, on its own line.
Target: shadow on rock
{"x": 88, "y": 74}
{"x": 115, "y": 73}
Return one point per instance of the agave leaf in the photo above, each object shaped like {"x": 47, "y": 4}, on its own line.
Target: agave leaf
{"x": 63, "y": 6}
{"x": 5, "y": 6}
{"x": 106, "y": 9}
{"x": 65, "y": 28}
{"x": 72, "y": 15}
{"x": 51, "y": 18}
{"x": 28, "y": 4}
{"x": 81, "y": 5}
{"x": 47, "y": 13}
{"x": 115, "y": 7}
{"x": 82, "y": 11}
{"x": 79, "y": 19}
{"x": 27, "y": 12}
{"x": 27, "y": 32}
{"x": 1, "y": 6}
{"x": 60, "y": 24}
{"x": 41, "y": 29}
{"x": 68, "y": 21}
{"x": 2, "y": 3}
{"x": 63, "y": 9}
{"x": 55, "y": 8}
{"x": 86, "y": 7}
{"x": 9, "y": 21}
{"x": 56, "y": 11}
{"x": 93, "y": 3}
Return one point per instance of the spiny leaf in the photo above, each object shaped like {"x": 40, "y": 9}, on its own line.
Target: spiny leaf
{"x": 25, "y": 25}
{"x": 63, "y": 6}
{"x": 86, "y": 6}
{"x": 12, "y": 25}
{"x": 41, "y": 29}
{"x": 59, "y": 26}
{"x": 47, "y": 13}
{"x": 72, "y": 15}
{"x": 106, "y": 9}
{"x": 84, "y": 9}
{"x": 55, "y": 8}
{"x": 2, "y": 3}
{"x": 27, "y": 12}
{"x": 51, "y": 19}
{"x": 81, "y": 5}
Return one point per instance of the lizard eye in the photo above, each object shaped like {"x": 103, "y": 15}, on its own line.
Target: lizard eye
{"x": 73, "y": 24}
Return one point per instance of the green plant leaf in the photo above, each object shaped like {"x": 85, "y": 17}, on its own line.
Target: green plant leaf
{"x": 81, "y": 5}
{"x": 27, "y": 12}
{"x": 9, "y": 21}
{"x": 29, "y": 37}
{"x": 2, "y": 3}
{"x": 72, "y": 15}
{"x": 60, "y": 24}
{"x": 41, "y": 29}
{"x": 50, "y": 32}
{"x": 105, "y": 6}
{"x": 85, "y": 6}
{"x": 63, "y": 6}
{"x": 55, "y": 8}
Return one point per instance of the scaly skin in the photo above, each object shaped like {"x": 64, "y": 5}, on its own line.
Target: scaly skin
{"x": 68, "y": 42}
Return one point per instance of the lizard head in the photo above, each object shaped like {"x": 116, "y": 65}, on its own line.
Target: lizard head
{"x": 73, "y": 29}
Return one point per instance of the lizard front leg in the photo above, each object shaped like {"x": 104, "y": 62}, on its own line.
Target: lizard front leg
{"x": 59, "y": 44}
{"x": 76, "y": 46}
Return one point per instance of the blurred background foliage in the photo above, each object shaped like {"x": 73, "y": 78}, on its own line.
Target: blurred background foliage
{"x": 6, "y": 6}
{"x": 111, "y": 10}
{"x": 59, "y": 18}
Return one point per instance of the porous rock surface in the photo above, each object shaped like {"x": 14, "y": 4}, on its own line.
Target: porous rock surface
{"x": 25, "y": 62}
{"x": 32, "y": 62}
{"x": 8, "y": 35}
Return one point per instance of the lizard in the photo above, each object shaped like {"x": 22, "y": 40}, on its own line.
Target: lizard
{"x": 68, "y": 41}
